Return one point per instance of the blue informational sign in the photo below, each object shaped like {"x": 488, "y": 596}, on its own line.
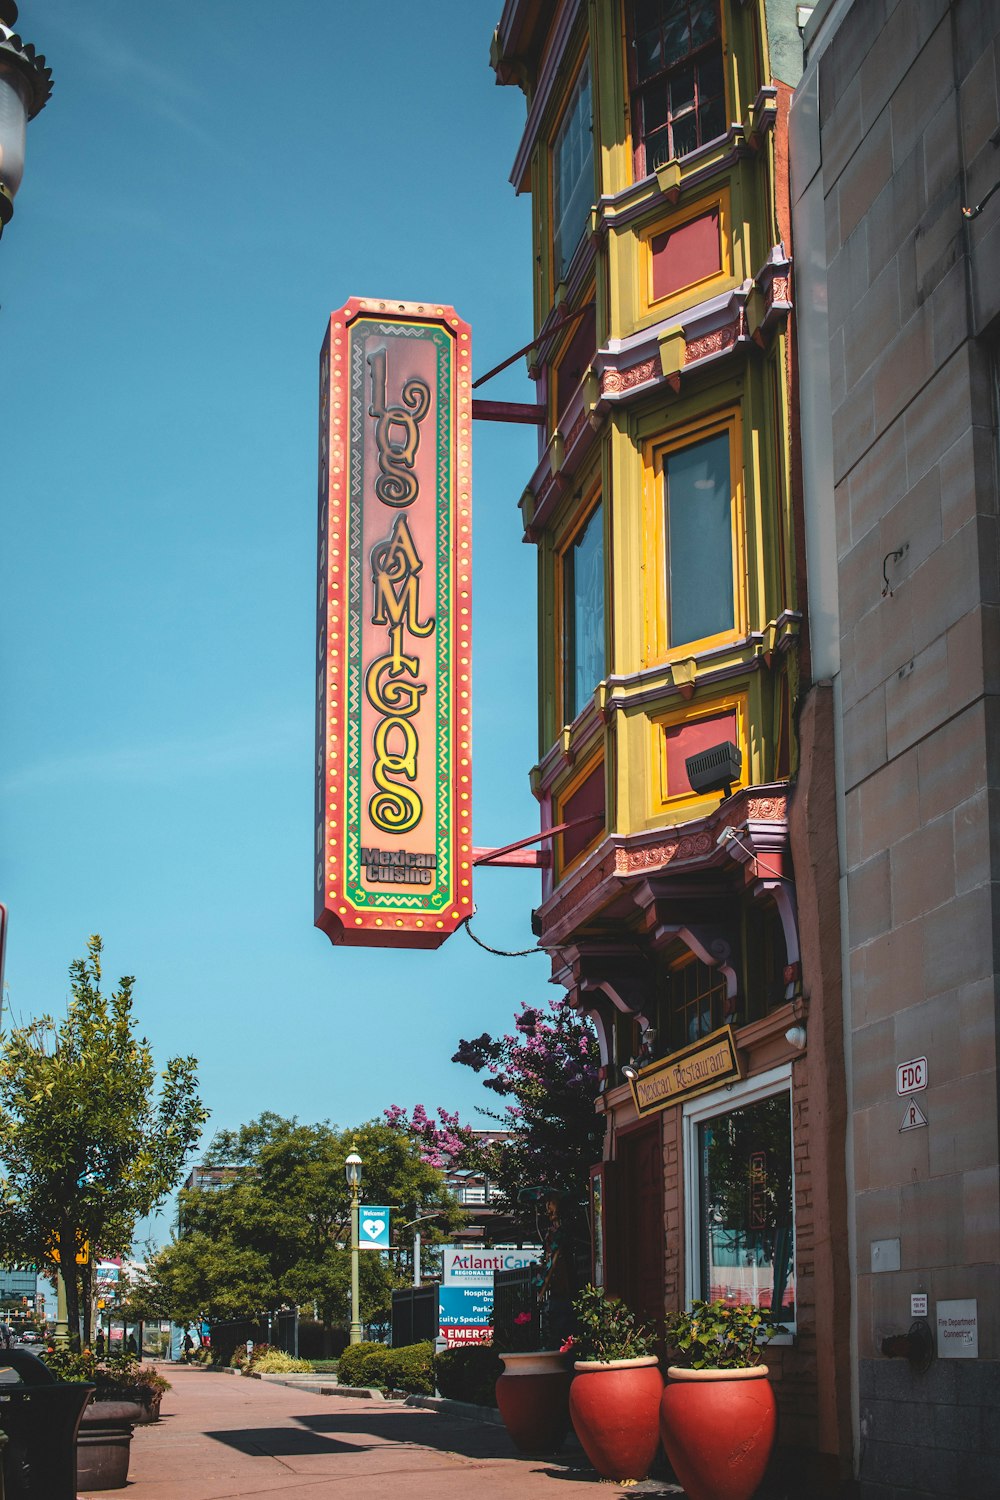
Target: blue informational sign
{"x": 465, "y": 1306}
{"x": 373, "y": 1228}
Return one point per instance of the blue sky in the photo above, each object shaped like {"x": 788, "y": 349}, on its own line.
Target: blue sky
{"x": 206, "y": 184}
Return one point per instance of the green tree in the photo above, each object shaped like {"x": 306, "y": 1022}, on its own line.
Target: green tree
{"x": 89, "y": 1144}
{"x": 276, "y": 1230}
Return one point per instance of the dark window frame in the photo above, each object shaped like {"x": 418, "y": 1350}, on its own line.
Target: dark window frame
{"x": 653, "y": 93}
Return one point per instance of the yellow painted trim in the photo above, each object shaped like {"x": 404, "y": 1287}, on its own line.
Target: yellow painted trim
{"x": 559, "y": 801}
{"x": 708, "y": 286}
{"x": 660, "y": 800}
{"x": 657, "y": 645}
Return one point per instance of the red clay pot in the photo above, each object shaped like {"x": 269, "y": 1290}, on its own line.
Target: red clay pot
{"x": 614, "y": 1409}
{"x": 718, "y": 1429}
{"x": 533, "y": 1397}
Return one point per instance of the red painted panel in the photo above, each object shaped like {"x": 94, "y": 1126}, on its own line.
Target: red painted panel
{"x": 684, "y": 740}
{"x": 586, "y": 802}
{"x": 686, "y": 254}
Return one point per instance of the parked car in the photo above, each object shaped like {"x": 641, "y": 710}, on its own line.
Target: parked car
{"x": 31, "y": 1336}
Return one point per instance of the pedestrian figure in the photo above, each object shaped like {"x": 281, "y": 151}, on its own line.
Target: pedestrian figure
{"x": 99, "y": 1346}
{"x": 188, "y": 1346}
{"x": 132, "y": 1346}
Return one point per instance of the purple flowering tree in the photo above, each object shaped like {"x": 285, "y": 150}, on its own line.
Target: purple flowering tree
{"x": 546, "y": 1070}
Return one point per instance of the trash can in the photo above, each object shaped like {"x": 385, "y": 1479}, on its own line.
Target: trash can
{"x": 40, "y": 1417}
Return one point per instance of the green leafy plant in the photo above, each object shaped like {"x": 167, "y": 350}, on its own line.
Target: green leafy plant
{"x": 469, "y": 1373}
{"x": 65, "y": 1363}
{"x": 410, "y": 1368}
{"x": 606, "y": 1329}
{"x": 721, "y": 1335}
{"x": 277, "y": 1362}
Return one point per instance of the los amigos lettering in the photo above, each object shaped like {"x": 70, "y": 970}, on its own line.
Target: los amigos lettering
{"x": 393, "y": 703}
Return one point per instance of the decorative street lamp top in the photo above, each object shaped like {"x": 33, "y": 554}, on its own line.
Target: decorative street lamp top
{"x": 25, "y": 86}
{"x": 353, "y": 1168}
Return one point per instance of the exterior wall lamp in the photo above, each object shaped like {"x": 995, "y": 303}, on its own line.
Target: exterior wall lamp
{"x": 25, "y": 86}
{"x": 352, "y": 1167}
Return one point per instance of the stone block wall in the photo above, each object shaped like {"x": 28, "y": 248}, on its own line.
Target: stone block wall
{"x": 908, "y": 100}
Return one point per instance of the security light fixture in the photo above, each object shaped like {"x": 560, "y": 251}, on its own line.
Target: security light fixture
{"x": 715, "y": 769}
{"x": 630, "y": 1072}
{"x": 25, "y": 86}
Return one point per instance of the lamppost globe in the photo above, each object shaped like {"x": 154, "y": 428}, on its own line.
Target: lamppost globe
{"x": 353, "y": 1168}
{"x": 25, "y": 86}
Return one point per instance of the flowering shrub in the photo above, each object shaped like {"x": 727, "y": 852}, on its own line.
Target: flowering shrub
{"x": 548, "y": 1069}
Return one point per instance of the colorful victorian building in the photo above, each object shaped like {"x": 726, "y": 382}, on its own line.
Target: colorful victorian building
{"x": 691, "y": 910}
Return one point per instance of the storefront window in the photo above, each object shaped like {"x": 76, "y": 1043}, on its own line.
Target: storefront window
{"x": 747, "y": 1250}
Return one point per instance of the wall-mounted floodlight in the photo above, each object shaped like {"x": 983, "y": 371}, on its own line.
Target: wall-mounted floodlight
{"x": 715, "y": 769}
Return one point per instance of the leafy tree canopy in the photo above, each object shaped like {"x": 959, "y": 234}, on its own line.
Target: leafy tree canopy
{"x": 276, "y": 1229}
{"x": 88, "y": 1143}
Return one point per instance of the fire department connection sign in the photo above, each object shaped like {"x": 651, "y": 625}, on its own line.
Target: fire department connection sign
{"x": 393, "y": 796}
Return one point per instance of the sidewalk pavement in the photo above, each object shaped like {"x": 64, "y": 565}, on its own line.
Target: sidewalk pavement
{"x": 223, "y": 1437}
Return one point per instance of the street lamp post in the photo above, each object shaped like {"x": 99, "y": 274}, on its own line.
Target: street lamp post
{"x": 25, "y": 86}
{"x": 414, "y": 1224}
{"x": 353, "y": 1168}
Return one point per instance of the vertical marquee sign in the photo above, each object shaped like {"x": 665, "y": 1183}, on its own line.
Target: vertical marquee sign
{"x": 393, "y": 775}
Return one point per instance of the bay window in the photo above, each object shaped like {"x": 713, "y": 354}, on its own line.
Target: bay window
{"x": 572, "y": 173}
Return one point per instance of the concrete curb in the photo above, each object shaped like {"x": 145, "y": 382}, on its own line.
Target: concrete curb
{"x": 468, "y": 1410}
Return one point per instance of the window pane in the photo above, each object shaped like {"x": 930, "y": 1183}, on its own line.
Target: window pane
{"x": 583, "y": 582}
{"x": 654, "y": 109}
{"x": 572, "y": 173}
{"x": 649, "y": 57}
{"x": 747, "y": 1249}
{"x": 676, "y": 41}
{"x": 704, "y": 23}
{"x": 682, "y": 90}
{"x": 699, "y": 540}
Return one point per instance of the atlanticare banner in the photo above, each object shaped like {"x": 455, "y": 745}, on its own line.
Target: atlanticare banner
{"x": 393, "y": 764}
{"x": 462, "y": 1266}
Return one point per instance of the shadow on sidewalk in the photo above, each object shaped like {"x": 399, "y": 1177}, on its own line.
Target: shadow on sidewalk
{"x": 360, "y": 1432}
{"x": 322, "y": 1433}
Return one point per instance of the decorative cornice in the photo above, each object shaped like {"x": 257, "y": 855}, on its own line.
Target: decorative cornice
{"x": 683, "y": 850}
{"x": 614, "y": 382}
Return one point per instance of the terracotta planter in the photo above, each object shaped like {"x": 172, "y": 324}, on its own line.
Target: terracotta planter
{"x": 718, "y": 1429}
{"x": 103, "y": 1444}
{"x": 615, "y": 1409}
{"x": 533, "y": 1397}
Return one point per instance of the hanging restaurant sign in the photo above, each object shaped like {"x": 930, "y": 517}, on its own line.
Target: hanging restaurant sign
{"x": 693, "y": 1070}
{"x": 393, "y": 789}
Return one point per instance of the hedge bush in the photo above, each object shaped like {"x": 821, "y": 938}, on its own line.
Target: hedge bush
{"x": 408, "y": 1369}
{"x": 469, "y": 1373}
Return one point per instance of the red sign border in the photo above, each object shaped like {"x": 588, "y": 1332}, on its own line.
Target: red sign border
{"x": 342, "y": 921}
